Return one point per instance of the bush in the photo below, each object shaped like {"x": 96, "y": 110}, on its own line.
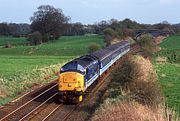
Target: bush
{"x": 138, "y": 81}
{"x": 147, "y": 93}
{"x": 132, "y": 111}
{"x": 109, "y": 31}
{"x": 45, "y": 38}
{"x": 109, "y": 34}
{"x": 147, "y": 44}
{"x": 93, "y": 47}
{"x": 35, "y": 38}
{"x": 108, "y": 39}
{"x": 128, "y": 33}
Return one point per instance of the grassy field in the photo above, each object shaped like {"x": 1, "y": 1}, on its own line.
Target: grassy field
{"x": 169, "y": 72}
{"x": 171, "y": 43}
{"x": 10, "y": 65}
{"x": 65, "y": 46}
{"x": 18, "y": 58}
{"x": 169, "y": 76}
{"x": 12, "y": 40}
{"x": 171, "y": 49}
{"x": 23, "y": 66}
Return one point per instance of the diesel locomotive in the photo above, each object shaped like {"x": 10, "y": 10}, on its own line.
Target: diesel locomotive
{"x": 79, "y": 74}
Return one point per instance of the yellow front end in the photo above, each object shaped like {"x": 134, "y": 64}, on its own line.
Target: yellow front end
{"x": 71, "y": 86}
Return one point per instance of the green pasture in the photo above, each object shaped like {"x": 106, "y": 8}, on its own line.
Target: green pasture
{"x": 10, "y": 65}
{"x": 65, "y": 46}
{"x": 170, "y": 48}
{"x": 12, "y": 40}
{"x": 171, "y": 43}
{"x": 169, "y": 76}
{"x": 169, "y": 72}
{"x": 18, "y": 58}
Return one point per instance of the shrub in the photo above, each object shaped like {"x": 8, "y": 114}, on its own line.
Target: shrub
{"x": 128, "y": 32}
{"x": 93, "y": 47}
{"x": 109, "y": 34}
{"x": 132, "y": 111}
{"x": 147, "y": 93}
{"x": 137, "y": 80}
{"x": 45, "y": 38}
{"x": 147, "y": 44}
{"x": 35, "y": 38}
{"x": 109, "y": 31}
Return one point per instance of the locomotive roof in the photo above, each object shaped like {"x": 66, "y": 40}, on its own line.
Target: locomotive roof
{"x": 85, "y": 60}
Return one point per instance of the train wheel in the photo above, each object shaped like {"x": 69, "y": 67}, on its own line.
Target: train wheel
{"x": 80, "y": 98}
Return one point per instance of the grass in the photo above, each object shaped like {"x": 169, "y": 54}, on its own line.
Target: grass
{"x": 65, "y": 46}
{"x": 169, "y": 72}
{"x": 170, "y": 49}
{"x": 23, "y": 82}
{"x": 9, "y": 65}
{"x": 169, "y": 77}
{"x": 12, "y": 40}
{"x": 22, "y": 66}
{"x": 21, "y": 58}
{"x": 171, "y": 43}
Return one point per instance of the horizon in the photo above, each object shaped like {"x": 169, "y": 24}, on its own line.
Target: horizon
{"x": 91, "y": 11}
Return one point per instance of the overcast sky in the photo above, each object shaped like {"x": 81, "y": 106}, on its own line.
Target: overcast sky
{"x": 90, "y": 11}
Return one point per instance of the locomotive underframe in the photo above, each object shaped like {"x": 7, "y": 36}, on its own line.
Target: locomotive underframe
{"x": 70, "y": 96}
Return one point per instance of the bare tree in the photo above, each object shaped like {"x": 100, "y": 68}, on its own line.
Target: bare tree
{"x": 49, "y": 21}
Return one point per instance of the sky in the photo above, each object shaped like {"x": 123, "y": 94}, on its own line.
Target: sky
{"x": 91, "y": 11}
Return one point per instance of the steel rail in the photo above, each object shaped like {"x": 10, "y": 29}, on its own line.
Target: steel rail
{"x": 52, "y": 112}
{"x": 38, "y": 107}
{"x": 27, "y": 103}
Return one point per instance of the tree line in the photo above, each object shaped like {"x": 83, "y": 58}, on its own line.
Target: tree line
{"x": 13, "y": 29}
{"x": 49, "y": 23}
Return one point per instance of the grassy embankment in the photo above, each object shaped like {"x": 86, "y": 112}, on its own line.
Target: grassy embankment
{"x": 23, "y": 66}
{"x": 169, "y": 71}
{"x": 135, "y": 91}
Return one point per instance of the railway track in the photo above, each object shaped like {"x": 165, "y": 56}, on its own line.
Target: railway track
{"x": 44, "y": 106}
{"x": 29, "y": 105}
{"x": 64, "y": 112}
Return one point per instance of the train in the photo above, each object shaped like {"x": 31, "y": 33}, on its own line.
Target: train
{"x": 79, "y": 74}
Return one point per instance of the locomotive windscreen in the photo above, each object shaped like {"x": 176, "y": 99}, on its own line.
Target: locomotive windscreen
{"x": 73, "y": 67}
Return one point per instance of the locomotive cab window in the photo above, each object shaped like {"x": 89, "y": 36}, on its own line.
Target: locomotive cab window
{"x": 73, "y": 67}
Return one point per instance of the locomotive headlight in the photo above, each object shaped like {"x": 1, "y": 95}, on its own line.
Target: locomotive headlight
{"x": 69, "y": 85}
{"x": 61, "y": 69}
